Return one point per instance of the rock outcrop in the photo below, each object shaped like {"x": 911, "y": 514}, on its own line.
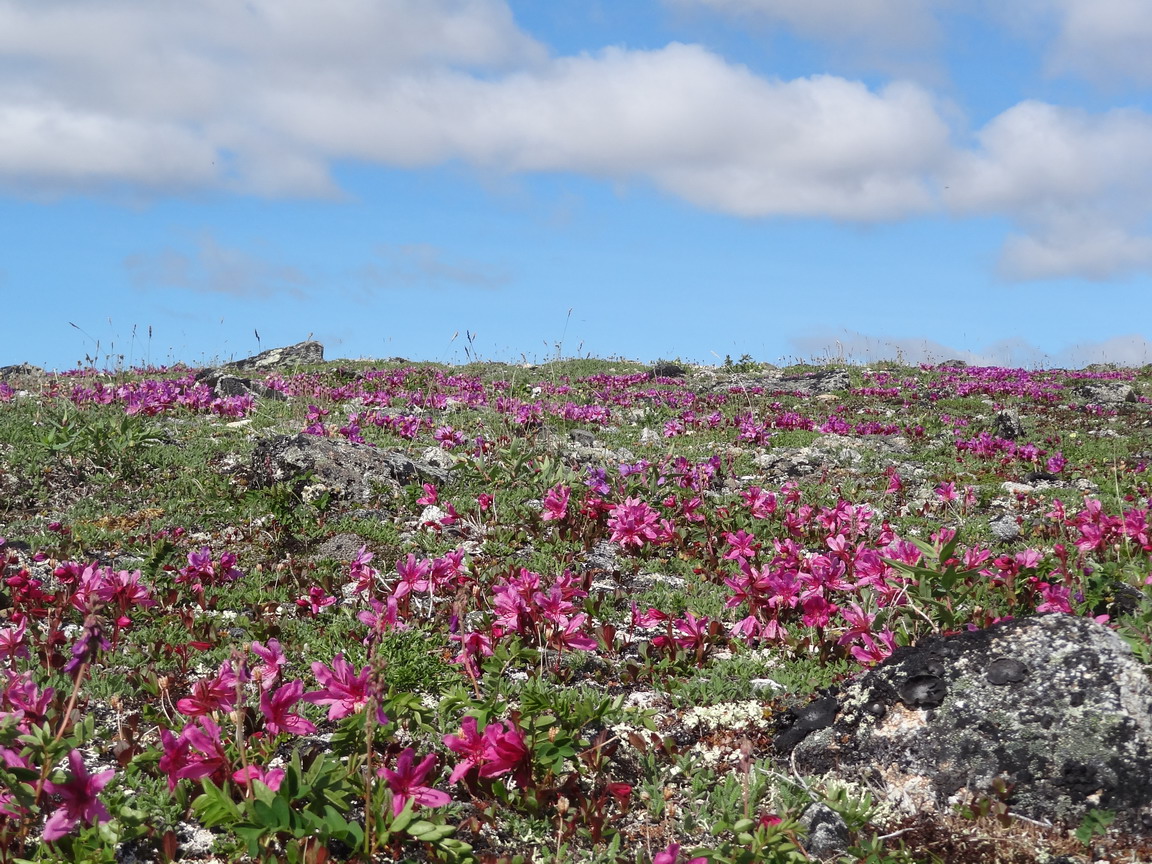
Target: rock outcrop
{"x": 1105, "y": 393}
{"x": 300, "y": 354}
{"x": 230, "y": 380}
{"x": 1056, "y": 707}
{"x": 355, "y": 472}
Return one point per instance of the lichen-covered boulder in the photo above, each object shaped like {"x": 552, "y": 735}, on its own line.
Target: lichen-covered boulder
{"x": 1105, "y": 393}
{"x": 1055, "y": 706}
{"x": 349, "y": 471}
{"x": 300, "y": 354}
{"x": 813, "y": 383}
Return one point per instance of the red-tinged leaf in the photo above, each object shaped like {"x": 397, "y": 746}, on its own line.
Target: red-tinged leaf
{"x": 169, "y": 845}
{"x": 201, "y": 646}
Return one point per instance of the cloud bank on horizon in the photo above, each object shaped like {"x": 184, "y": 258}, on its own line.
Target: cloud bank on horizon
{"x": 133, "y": 102}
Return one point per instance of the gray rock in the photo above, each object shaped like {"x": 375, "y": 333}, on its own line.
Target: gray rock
{"x": 1105, "y": 393}
{"x": 582, "y": 437}
{"x": 824, "y": 381}
{"x": 1005, "y": 528}
{"x": 349, "y": 471}
{"x": 827, "y": 831}
{"x": 339, "y": 547}
{"x": 224, "y": 385}
{"x": 1007, "y": 424}
{"x": 20, "y": 370}
{"x": 300, "y": 354}
{"x": 1056, "y": 706}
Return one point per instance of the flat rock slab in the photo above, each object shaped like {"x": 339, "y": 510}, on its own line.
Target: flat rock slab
{"x": 349, "y": 471}
{"x": 1056, "y": 705}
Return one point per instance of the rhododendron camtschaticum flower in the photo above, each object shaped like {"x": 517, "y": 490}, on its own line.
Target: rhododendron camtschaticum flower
{"x": 80, "y": 803}
{"x": 345, "y": 691}
{"x": 499, "y": 750}
{"x": 633, "y": 523}
{"x": 407, "y": 782}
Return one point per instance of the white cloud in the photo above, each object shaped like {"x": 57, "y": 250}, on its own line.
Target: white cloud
{"x": 1079, "y": 184}
{"x": 214, "y": 269}
{"x": 263, "y": 97}
{"x": 147, "y": 92}
{"x": 681, "y": 117}
{"x": 1104, "y": 39}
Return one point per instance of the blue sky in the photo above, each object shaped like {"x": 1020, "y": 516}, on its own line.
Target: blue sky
{"x": 650, "y": 179}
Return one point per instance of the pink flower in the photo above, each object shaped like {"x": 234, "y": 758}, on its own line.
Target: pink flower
{"x": 211, "y": 694}
{"x": 568, "y": 634}
{"x": 761, "y": 503}
{"x": 345, "y": 691}
{"x": 413, "y": 575}
{"x": 1055, "y": 598}
{"x": 277, "y": 710}
{"x": 407, "y": 782}
{"x": 270, "y": 777}
{"x": 12, "y": 643}
{"x": 672, "y": 853}
{"x": 315, "y": 601}
{"x": 633, "y": 523}
{"x": 80, "y": 803}
{"x": 946, "y": 492}
{"x": 743, "y": 545}
{"x": 274, "y": 661}
{"x": 556, "y": 503}
{"x": 499, "y": 750}
{"x": 212, "y": 760}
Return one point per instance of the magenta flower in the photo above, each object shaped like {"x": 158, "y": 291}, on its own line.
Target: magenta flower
{"x": 672, "y": 854}
{"x": 568, "y": 634}
{"x": 633, "y": 523}
{"x": 407, "y": 782}
{"x": 211, "y": 760}
{"x": 274, "y": 661}
{"x": 277, "y": 710}
{"x": 211, "y": 694}
{"x": 315, "y": 601}
{"x": 742, "y": 545}
{"x": 499, "y": 750}
{"x": 556, "y": 503}
{"x": 413, "y": 575}
{"x": 345, "y": 691}
{"x": 270, "y": 777}
{"x": 12, "y": 641}
{"x": 946, "y": 492}
{"x": 80, "y": 803}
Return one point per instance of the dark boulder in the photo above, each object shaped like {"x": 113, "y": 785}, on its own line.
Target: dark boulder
{"x": 1055, "y": 706}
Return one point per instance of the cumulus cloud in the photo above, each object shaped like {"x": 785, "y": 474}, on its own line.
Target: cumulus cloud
{"x": 1103, "y": 39}
{"x": 1079, "y": 184}
{"x": 423, "y": 265}
{"x": 214, "y": 269}
{"x": 162, "y": 93}
{"x": 263, "y": 97}
{"x": 680, "y": 117}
